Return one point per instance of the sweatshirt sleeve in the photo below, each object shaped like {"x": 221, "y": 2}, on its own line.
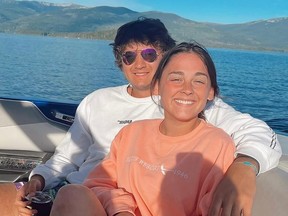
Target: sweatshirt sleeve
{"x": 70, "y": 154}
{"x": 102, "y": 180}
{"x": 252, "y": 137}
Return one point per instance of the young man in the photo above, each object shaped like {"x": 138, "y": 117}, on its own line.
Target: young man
{"x": 138, "y": 48}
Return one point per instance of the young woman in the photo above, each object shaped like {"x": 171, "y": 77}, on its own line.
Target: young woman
{"x": 167, "y": 166}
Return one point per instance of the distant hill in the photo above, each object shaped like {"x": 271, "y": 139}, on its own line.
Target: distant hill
{"x": 70, "y": 20}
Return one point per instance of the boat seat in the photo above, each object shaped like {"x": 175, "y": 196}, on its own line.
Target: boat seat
{"x": 272, "y": 188}
{"x": 27, "y": 138}
{"x": 24, "y": 127}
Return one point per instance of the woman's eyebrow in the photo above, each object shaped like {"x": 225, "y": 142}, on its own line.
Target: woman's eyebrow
{"x": 201, "y": 74}
{"x": 176, "y": 72}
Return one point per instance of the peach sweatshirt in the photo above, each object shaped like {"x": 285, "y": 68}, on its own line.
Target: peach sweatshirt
{"x": 148, "y": 173}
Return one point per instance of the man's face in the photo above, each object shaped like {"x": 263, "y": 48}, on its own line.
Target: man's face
{"x": 139, "y": 64}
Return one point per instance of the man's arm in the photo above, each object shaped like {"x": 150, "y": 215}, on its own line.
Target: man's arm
{"x": 252, "y": 137}
{"x": 70, "y": 154}
{"x": 257, "y": 151}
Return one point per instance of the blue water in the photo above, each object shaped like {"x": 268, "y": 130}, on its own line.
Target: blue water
{"x": 63, "y": 69}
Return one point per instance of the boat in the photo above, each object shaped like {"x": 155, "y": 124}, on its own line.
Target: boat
{"x": 31, "y": 129}
{"x": 29, "y": 132}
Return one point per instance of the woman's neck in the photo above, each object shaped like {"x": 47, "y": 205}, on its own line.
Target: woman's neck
{"x": 172, "y": 128}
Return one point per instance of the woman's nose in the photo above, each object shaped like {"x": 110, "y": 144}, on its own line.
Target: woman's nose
{"x": 187, "y": 88}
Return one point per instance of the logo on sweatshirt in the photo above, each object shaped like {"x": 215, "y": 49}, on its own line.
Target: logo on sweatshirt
{"x": 124, "y": 121}
{"x": 164, "y": 170}
{"x": 158, "y": 168}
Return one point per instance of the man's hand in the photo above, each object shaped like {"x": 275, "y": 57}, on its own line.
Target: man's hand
{"x": 36, "y": 183}
{"x": 235, "y": 193}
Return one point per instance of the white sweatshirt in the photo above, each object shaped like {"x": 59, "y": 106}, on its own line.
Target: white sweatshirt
{"x": 102, "y": 114}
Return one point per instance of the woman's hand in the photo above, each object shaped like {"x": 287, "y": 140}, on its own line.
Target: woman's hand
{"x": 24, "y": 208}
{"x": 36, "y": 183}
{"x": 235, "y": 193}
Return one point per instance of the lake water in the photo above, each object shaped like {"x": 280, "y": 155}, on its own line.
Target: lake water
{"x": 63, "y": 69}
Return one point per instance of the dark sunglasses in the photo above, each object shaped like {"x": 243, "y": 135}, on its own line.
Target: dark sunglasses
{"x": 149, "y": 55}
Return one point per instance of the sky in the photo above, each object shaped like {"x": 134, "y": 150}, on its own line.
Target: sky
{"x": 216, "y": 11}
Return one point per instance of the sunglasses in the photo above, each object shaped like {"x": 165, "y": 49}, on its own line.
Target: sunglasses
{"x": 149, "y": 55}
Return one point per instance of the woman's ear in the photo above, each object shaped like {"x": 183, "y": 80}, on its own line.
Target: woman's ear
{"x": 156, "y": 88}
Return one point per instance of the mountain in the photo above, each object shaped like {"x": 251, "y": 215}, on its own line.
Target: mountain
{"x": 70, "y": 20}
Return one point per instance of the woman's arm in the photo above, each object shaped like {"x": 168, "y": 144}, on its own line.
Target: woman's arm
{"x": 236, "y": 191}
{"x": 103, "y": 181}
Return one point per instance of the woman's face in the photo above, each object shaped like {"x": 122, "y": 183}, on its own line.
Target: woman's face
{"x": 185, "y": 87}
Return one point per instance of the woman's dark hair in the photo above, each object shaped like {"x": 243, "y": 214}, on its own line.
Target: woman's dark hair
{"x": 146, "y": 31}
{"x": 191, "y": 47}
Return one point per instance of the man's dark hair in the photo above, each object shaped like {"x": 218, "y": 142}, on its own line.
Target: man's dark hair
{"x": 144, "y": 30}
